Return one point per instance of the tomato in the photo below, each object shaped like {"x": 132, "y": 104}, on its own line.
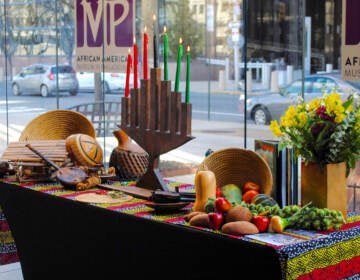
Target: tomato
{"x": 249, "y": 195}
{"x": 250, "y": 186}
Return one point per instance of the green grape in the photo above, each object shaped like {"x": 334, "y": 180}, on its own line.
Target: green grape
{"x": 306, "y": 225}
{"x": 327, "y": 223}
{"x": 316, "y": 225}
{"x": 313, "y": 215}
{"x": 320, "y": 212}
{"x": 287, "y": 210}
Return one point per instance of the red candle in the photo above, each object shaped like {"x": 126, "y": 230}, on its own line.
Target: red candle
{"x": 145, "y": 55}
{"x": 128, "y": 69}
{"x": 135, "y": 48}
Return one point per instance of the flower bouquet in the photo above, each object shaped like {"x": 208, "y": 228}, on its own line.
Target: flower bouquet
{"x": 324, "y": 130}
{"x": 325, "y": 133}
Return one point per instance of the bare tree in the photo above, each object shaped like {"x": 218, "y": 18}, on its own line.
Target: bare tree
{"x": 7, "y": 41}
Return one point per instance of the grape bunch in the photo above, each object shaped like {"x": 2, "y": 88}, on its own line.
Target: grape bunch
{"x": 307, "y": 217}
{"x": 318, "y": 219}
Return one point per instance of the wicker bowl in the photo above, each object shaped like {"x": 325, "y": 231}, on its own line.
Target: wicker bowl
{"x": 57, "y": 125}
{"x": 237, "y": 166}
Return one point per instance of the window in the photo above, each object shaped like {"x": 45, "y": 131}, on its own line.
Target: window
{"x": 273, "y": 52}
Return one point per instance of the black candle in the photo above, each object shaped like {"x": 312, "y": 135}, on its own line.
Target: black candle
{"x": 155, "y": 43}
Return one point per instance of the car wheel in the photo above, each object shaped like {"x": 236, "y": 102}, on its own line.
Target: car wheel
{"x": 261, "y": 116}
{"x": 44, "y": 91}
{"x": 73, "y": 93}
{"x": 106, "y": 87}
{"x": 16, "y": 89}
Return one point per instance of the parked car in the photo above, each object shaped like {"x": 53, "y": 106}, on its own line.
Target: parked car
{"x": 41, "y": 78}
{"x": 112, "y": 82}
{"x": 264, "y": 107}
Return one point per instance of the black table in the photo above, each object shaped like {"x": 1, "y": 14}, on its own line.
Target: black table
{"x": 61, "y": 238}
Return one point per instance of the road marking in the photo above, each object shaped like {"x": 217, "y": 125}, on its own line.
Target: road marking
{"x": 10, "y": 101}
{"x": 217, "y": 113}
{"x": 13, "y": 131}
{"x": 23, "y": 109}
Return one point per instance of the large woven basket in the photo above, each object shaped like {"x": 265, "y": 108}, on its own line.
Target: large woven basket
{"x": 237, "y": 166}
{"x": 57, "y": 125}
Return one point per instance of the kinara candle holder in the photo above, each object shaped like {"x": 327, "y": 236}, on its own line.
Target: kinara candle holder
{"x": 156, "y": 119}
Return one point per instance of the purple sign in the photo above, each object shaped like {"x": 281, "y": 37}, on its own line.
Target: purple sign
{"x": 352, "y": 36}
{"x": 104, "y": 23}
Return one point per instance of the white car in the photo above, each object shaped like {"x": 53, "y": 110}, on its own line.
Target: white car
{"x": 268, "y": 106}
{"x": 112, "y": 82}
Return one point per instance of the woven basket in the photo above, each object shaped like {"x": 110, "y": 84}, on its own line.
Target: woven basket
{"x": 57, "y": 125}
{"x": 237, "y": 166}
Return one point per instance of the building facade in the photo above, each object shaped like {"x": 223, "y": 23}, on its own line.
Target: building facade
{"x": 258, "y": 29}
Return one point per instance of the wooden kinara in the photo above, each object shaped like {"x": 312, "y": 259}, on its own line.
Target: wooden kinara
{"x": 156, "y": 119}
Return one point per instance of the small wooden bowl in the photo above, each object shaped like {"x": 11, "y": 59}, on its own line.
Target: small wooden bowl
{"x": 69, "y": 177}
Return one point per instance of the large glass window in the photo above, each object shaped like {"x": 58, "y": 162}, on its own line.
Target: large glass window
{"x": 240, "y": 50}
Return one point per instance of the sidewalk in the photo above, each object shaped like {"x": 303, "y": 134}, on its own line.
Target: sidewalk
{"x": 212, "y": 135}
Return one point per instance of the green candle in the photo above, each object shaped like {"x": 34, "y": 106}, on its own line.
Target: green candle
{"x": 166, "y": 54}
{"x": 187, "y": 91}
{"x": 178, "y": 65}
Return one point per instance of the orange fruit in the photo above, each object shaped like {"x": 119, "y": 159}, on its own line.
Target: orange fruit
{"x": 250, "y": 186}
{"x": 249, "y": 195}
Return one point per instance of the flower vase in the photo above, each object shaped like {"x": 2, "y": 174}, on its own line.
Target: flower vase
{"x": 326, "y": 188}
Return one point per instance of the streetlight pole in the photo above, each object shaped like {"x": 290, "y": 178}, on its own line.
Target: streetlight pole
{"x": 235, "y": 34}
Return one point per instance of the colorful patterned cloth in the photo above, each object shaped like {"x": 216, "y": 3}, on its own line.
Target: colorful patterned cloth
{"x": 335, "y": 256}
{"x": 8, "y": 252}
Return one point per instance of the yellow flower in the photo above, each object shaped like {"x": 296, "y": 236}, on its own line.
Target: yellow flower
{"x": 275, "y": 128}
{"x": 302, "y": 119}
{"x": 313, "y": 105}
{"x": 333, "y": 103}
{"x": 288, "y": 120}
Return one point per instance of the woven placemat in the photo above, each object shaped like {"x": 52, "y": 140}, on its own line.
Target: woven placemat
{"x": 102, "y": 198}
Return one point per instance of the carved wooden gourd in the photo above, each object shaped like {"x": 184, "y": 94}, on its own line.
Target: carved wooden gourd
{"x": 128, "y": 158}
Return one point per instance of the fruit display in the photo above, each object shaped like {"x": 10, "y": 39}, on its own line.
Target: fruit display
{"x": 241, "y": 210}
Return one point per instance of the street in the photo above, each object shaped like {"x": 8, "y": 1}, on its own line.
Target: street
{"x": 216, "y": 122}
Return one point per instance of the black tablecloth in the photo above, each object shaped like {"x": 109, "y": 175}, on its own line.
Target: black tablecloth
{"x": 60, "y": 238}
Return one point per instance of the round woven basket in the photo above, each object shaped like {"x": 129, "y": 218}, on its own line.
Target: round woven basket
{"x": 57, "y": 125}
{"x": 237, "y": 166}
